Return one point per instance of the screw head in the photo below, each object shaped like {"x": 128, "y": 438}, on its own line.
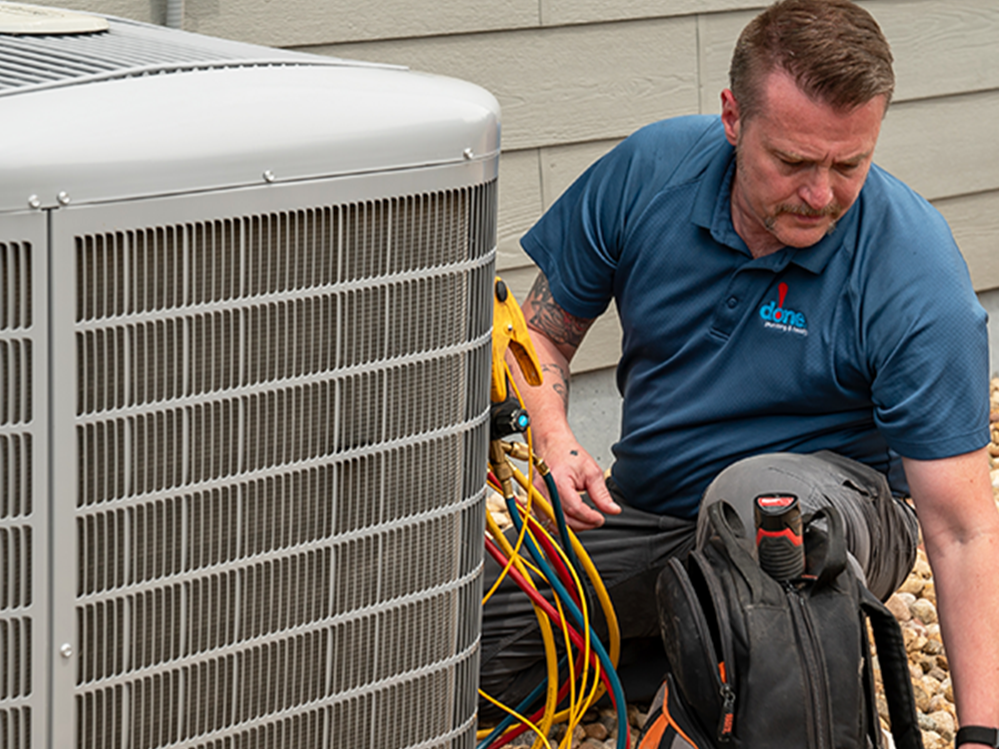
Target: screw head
{"x": 468, "y": 153}
{"x": 66, "y": 650}
{"x": 269, "y": 176}
{"x": 34, "y": 201}
{"x": 63, "y": 198}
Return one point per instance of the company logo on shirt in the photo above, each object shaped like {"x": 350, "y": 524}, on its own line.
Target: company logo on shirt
{"x": 776, "y": 316}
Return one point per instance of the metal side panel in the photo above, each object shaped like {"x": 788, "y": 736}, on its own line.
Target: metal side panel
{"x": 269, "y": 427}
{"x": 24, "y": 539}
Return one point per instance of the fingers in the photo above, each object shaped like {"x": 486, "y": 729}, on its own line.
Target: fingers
{"x": 576, "y": 473}
{"x": 596, "y": 487}
{"x": 578, "y": 515}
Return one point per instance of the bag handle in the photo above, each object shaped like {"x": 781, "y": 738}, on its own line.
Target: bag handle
{"x": 826, "y": 550}
{"x": 728, "y": 525}
{"x": 894, "y": 672}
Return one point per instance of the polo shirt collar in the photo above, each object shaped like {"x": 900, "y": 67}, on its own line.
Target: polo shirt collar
{"x": 712, "y": 210}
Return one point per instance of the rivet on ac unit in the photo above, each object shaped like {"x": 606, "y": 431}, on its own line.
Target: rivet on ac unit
{"x": 66, "y": 650}
{"x": 34, "y": 201}
{"x": 468, "y": 153}
{"x": 63, "y": 198}
{"x": 269, "y": 176}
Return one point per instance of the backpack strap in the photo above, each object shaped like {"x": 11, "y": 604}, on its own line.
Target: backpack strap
{"x": 894, "y": 672}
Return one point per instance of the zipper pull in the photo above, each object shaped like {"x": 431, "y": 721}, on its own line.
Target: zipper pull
{"x": 725, "y": 722}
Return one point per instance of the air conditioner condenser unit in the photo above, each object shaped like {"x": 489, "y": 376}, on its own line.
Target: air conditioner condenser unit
{"x": 245, "y": 312}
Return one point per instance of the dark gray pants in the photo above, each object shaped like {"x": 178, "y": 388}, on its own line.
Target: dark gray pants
{"x": 631, "y": 548}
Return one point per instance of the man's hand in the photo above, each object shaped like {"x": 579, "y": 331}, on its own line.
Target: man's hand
{"x": 574, "y": 471}
{"x": 556, "y": 335}
{"x": 960, "y": 526}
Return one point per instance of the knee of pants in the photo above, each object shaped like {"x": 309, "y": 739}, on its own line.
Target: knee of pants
{"x": 874, "y": 537}
{"x": 774, "y": 473}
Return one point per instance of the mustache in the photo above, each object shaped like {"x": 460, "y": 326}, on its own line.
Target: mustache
{"x": 833, "y": 210}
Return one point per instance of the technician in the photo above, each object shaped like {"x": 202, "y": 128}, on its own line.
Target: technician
{"x": 794, "y": 319}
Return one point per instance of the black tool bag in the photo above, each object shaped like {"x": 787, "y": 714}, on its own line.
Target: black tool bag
{"x": 757, "y": 663}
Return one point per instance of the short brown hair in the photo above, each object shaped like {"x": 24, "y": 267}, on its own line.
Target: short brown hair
{"x": 833, "y": 49}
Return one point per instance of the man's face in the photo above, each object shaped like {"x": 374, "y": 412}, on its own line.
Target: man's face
{"x": 800, "y": 164}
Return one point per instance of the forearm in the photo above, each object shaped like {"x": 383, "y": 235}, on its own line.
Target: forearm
{"x": 547, "y": 404}
{"x": 968, "y": 603}
{"x": 556, "y": 335}
{"x": 961, "y": 532}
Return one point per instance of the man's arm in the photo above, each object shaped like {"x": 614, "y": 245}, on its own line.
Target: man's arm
{"x": 556, "y": 335}
{"x": 960, "y": 526}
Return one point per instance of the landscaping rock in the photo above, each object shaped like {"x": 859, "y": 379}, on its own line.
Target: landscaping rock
{"x": 596, "y": 731}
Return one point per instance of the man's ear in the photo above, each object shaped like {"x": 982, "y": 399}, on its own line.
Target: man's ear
{"x": 730, "y": 116}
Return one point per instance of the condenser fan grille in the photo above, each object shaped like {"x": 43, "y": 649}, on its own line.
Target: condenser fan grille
{"x": 17, "y": 501}
{"x": 280, "y": 425}
{"x": 268, "y": 257}
{"x": 124, "y": 49}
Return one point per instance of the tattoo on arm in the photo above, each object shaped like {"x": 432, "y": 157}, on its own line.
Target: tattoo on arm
{"x": 559, "y": 381}
{"x": 551, "y": 319}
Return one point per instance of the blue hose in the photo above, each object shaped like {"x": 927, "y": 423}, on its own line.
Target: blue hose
{"x": 563, "y": 530}
{"x": 598, "y": 648}
{"x": 523, "y": 708}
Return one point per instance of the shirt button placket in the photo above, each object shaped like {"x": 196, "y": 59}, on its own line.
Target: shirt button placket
{"x": 729, "y": 313}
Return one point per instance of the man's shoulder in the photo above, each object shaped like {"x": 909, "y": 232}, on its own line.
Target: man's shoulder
{"x": 675, "y": 141}
{"x": 896, "y": 208}
{"x": 903, "y": 243}
{"x": 660, "y": 155}
{"x": 898, "y": 226}
{"x": 686, "y": 129}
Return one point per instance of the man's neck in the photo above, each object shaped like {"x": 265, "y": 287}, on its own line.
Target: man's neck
{"x": 760, "y": 241}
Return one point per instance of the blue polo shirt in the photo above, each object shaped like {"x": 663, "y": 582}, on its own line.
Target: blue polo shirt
{"x": 870, "y": 343}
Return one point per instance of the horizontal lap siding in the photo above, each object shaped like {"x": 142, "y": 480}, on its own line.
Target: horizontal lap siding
{"x": 567, "y": 84}
{"x": 137, "y": 10}
{"x": 943, "y": 147}
{"x": 300, "y": 22}
{"x": 974, "y": 220}
{"x": 576, "y": 76}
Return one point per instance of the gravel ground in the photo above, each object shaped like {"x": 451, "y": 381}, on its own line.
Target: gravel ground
{"x": 914, "y": 605}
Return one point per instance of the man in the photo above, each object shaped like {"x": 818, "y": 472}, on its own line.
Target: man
{"x": 794, "y": 320}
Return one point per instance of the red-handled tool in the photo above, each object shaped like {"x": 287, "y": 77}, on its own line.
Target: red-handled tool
{"x": 779, "y": 543}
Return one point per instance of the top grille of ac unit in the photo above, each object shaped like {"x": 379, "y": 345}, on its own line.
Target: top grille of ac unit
{"x": 126, "y": 49}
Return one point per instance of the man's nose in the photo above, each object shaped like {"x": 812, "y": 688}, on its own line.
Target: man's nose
{"x": 817, "y": 189}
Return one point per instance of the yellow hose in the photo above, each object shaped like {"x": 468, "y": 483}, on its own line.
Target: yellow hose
{"x": 613, "y": 629}
{"x": 575, "y": 711}
{"x": 541, "y": 734}
{"x": 551, "y": 655}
